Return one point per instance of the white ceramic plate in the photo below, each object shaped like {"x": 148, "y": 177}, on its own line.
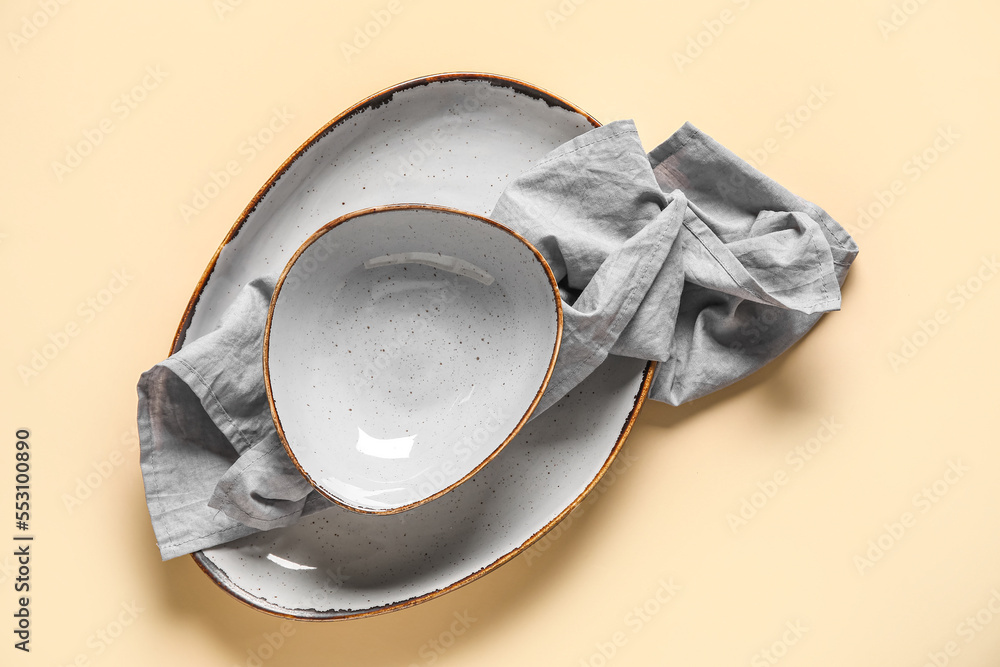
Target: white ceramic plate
{"x": 453, "y": 140}
{"x": 405, "y": 346}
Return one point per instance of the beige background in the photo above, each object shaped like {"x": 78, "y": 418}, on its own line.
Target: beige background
{"x": 886, "y": 96}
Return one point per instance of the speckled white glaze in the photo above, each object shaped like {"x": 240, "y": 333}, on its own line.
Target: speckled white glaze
{"x": 339, "y": 563}
{"x": 454, "y": 141}
{"x": 405, "y": 347}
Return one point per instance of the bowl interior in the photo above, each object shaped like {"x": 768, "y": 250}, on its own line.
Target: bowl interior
{"x": 405, "y": 347}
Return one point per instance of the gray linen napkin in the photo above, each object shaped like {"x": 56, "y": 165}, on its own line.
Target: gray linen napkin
{"x": 687, "y": 256}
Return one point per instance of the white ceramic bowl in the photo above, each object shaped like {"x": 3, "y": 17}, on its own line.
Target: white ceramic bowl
{"x": 405, "y": 346}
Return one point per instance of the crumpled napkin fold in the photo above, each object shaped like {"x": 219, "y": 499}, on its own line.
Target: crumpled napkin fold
{"x": 687, "y": 256}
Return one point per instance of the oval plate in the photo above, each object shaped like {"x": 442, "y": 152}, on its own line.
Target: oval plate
{"x": 454, "y": 140}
